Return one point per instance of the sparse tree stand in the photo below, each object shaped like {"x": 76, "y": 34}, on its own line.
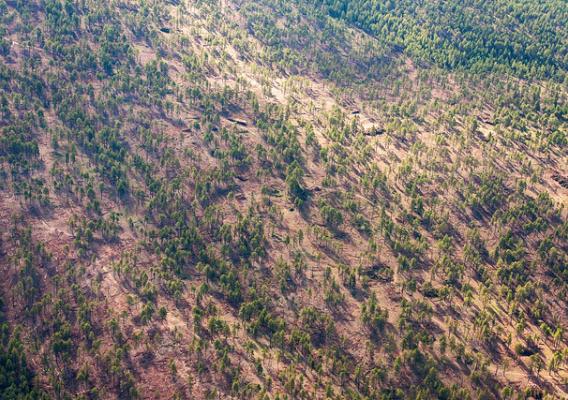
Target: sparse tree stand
{"x": 173, "y": 115}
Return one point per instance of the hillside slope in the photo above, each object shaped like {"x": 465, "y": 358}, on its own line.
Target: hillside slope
{"x": 277, "y": 200}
